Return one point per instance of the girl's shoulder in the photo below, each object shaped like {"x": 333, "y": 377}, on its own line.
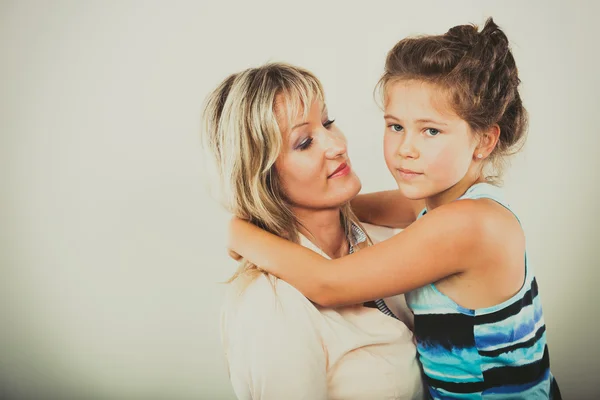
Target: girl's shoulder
{"x": 482, "y": 213}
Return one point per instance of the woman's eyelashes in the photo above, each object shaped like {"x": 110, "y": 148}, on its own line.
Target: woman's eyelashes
{"x": 304, "y": 144}
{"x": 307, "y": 142}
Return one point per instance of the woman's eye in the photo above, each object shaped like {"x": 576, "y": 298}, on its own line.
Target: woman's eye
{"x": 305, "y": 144}
{"x": 432, "y": 132}
{"x": 328, "y": 123}
{"x": 396, "y": 127}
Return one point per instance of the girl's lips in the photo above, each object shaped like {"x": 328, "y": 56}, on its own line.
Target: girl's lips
{"x": 342, "y": 170}
{"x": 407, "y": 174}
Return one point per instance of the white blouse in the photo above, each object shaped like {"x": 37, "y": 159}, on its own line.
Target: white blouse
{"x": 281, "y": 346}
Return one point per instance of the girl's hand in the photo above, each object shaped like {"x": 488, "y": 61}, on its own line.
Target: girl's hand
{"x": 233, "y": 232}
{"x": 234, "y": 255}
{"x": 388, "y": 208}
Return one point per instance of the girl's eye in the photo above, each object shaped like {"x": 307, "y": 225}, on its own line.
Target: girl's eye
{"x": 432, "y": 131}
{"x": 328, "y": 123}
{"x": 396, "y": 127}
{"x": 305, "y": 144}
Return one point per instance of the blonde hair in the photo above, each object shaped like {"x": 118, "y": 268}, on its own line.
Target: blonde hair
{"x": 241, "y": 134}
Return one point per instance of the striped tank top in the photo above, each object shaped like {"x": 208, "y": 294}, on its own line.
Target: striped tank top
{"x": 498, "y": 352}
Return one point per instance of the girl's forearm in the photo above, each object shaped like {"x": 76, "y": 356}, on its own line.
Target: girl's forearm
{"x": 282, "y": 258}
{"x": 387, "y": 208}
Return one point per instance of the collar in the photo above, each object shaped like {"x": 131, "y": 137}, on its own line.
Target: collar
{"x": 357, "y": 238}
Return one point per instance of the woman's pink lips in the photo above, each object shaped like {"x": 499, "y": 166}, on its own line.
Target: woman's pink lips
{"x": 342, "y": 170}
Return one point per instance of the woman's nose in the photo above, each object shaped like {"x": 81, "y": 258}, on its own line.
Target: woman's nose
{"x": 335, "y": 145}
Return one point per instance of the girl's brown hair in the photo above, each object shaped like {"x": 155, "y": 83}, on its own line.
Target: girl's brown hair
{"x": 478, "y": 72}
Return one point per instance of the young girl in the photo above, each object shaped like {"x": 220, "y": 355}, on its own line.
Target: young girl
{"x": 452, "y": 109}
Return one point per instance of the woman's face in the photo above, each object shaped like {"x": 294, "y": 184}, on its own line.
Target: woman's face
{"x": 313, "y": 167}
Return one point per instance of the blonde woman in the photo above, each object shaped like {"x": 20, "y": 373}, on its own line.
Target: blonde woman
{"x": 284, "y": 167}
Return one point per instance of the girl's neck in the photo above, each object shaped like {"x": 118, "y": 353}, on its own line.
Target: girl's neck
{"x": 323, "y": 228}
{"x": 453, "y": 192}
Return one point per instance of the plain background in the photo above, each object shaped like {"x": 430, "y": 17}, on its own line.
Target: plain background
{"x": 111, "y": 248}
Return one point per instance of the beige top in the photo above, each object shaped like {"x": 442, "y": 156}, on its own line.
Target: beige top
{"x": 280, "y": 346}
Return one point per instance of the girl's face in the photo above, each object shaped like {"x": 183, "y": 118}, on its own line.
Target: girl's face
{"x": 313, "y": 167}
{"x": 428, "y": 148}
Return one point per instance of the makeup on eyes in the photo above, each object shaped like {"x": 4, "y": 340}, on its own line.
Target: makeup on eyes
{"x": 305, "y": 143}
{"x": 328, "y": 122}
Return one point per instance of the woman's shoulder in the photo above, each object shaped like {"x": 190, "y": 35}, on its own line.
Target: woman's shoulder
{"x": 264, "y": 312}
{"x": 264, "y": 297}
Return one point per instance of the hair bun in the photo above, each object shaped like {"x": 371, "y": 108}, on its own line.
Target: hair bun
{"x": 491, "y": 39}
{"x": 465, "y": 34}
{"x": 492, "y": 35}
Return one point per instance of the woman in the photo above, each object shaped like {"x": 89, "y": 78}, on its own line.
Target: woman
{"x": 284, "y": 167}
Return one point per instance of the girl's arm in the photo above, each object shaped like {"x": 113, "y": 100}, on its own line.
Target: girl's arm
{"x": 388, "y": 208}
{"x": 447, "y": 241}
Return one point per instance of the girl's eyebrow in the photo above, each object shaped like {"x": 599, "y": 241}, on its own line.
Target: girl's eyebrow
{"x": 421, "y": 121}
{"x": 431, "y": 121}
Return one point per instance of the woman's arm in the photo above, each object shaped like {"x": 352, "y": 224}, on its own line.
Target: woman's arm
{"x": 388, "y": 208}
{"x": 447, "y": 241}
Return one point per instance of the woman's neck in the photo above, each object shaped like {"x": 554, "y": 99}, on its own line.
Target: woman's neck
{"x": 324, "y": 229}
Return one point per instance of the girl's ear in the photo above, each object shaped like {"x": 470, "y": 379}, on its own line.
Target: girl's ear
{"x": 487, "y": 142}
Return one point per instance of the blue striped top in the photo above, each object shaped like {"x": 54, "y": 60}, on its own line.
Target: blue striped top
{"x": 498, "y": 352}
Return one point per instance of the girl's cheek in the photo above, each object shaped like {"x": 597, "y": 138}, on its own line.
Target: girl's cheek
{"x": 440, "y": 163}
{"x": 388, "y": 150}
{"x": 447, "y": 166}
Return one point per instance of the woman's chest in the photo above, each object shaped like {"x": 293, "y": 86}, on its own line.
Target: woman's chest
{"x": 369, "y": 356}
